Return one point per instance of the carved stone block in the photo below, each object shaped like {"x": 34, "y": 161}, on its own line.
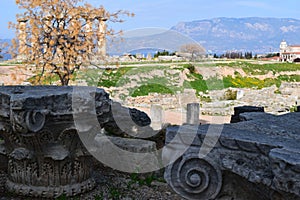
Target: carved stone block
{"x": 46, "y": 157}
{"x": 263, "y": 150}
{"x": 46, "y": 131}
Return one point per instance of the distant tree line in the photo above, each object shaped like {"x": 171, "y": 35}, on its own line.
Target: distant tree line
{"x": 164, "y": 53}
{"x": 271, "y": 55}
{"x": 235, "y": 55}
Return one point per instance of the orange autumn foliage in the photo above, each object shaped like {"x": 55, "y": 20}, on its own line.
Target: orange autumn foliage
{"x": 59, "y": 36}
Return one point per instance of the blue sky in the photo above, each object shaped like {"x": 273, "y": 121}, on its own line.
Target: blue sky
{"x": 167, "y": 13}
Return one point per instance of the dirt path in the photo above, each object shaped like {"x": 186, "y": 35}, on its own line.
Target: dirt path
{"x": 178, "y": 118}
{"x": 14, "y": 75}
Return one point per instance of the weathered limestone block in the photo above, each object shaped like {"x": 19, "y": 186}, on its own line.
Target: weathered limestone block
{"x": 126, "y": 154}
{"x": 156, "y": 113}
{"x": 264, "y": 150}
{"x": 128, "y": 122}
{"x": 193, "y": 111}
{"x": 132, "y": 145}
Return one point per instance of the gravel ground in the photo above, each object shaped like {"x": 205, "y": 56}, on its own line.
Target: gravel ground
{"x": 114, "y": 185}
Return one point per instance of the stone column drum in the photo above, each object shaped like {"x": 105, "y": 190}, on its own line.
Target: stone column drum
{"x": 46, "y": 157}
{"x": 101, "y": 44}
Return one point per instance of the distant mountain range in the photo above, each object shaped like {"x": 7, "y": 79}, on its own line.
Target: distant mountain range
{"x": 260, "y": 35}
{"x": 148, "y": 40}
{"x": 218, "y": 35}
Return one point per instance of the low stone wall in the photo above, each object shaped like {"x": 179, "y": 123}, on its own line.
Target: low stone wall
{"x": 274, "y": 100}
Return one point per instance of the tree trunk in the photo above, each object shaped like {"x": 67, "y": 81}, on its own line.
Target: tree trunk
{"x": 65, "y": 81}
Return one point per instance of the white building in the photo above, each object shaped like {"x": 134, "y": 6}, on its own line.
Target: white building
{"x": 289, "y": 53}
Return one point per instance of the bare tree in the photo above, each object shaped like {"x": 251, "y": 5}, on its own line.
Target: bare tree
{"x": 193, "y": 49}
{"x": 59, "y": 36}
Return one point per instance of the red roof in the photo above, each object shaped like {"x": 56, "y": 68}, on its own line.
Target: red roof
{"x": 272, "y": 58}
{"x": 291, "y": 53}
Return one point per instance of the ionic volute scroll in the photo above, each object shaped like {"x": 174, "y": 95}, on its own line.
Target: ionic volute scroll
{"x": 35, "y": 120}
{"x": 29, "y": 121}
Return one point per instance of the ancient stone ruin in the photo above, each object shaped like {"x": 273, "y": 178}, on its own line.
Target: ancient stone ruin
{"x": 262, "y": 149}
{"x": 43, "y": 151}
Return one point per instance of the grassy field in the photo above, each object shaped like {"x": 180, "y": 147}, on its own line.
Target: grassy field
{"x": 147, "y": 80}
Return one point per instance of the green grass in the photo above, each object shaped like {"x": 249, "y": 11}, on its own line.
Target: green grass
{"x": 115, "y": 193}
{"x": 256, "y": 69}
{"x": 261, "y": 69}
{"x": 190, "y": 67}
{"x": 214, "y": 83}
{"x": 147, "y": 69}
{"x": 167, "y": 81}
{"x": 8, "y": 64}
{"x": 200, "y": 85}
{"x": 91, "y": 76}
{"x": 290, "y": 78}
{"x": 145, "y": 62}
{"x": 163, "y": 84}
{"x": 11, "y": 64}
{"x": 197, "y": 83}
{"x": 121, "y": 76}
{"x": 45, "y": 79}
{"x": 161, "y": 80}
{"x": 144, "y": 90}
{"x": 146, "y": 180}
{"x": 113, "y": 77}
{"x": 293, "y": 109}
{"x": 249, "y": 82}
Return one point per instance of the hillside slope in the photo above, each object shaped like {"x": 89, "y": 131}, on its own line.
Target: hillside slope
{"x": 252, "y": 34}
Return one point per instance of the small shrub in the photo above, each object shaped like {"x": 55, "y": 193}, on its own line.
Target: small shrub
{"x": 230, "y": 94}
{"x": 293, "y": 109}
{"x": 236, "y": 73}
{"x": 135, "y": 178}
{"x": 277, "y": 91}
{"x": 114, "y": 193}
{"x": 205, "y": 99}
{"x": 190, "y": 67}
